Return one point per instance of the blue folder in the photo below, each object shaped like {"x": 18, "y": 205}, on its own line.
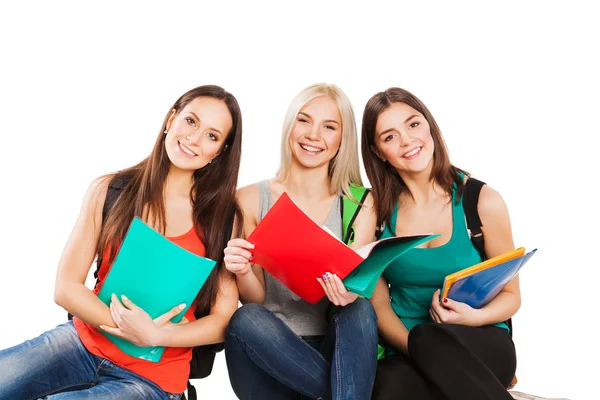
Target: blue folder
{"x": 156, "y": 275}
{"x": 480, "y": 288}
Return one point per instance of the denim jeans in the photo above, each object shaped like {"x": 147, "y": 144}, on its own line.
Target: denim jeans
{"x": 266, "y": 360}
{"x": 56, "y": 365}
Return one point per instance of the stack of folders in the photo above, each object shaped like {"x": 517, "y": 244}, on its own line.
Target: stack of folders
{"x": 479, "y": 284}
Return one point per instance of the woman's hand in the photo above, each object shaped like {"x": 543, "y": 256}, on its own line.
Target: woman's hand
{"x": 238, "y": 257}
{"x": 335, "y": 290}
{"x": 449, "y": 311}
{"x": 135, "y": 325}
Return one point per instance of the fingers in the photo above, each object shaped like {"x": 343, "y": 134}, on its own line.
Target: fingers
{"x": 450, "y": 304}
{"x": 435, "y": 304}
{"x": 116, "y": 310}
{"x": 339, "y": 285}
{"x": 327, "y": 290}
{"x": 347, "y": 296}
{"x": 434, "y": 316}
{"x": 237, "y": 257}
{"x": 239, "y": 244}
{"x": 183, "y": 321}
{"x": 437, "y": 311}
{"x": 166, "y": 317}
{"x": 112, "y": 331}
{"x": 128, "y": 303}
{"x": 337, "y": 298}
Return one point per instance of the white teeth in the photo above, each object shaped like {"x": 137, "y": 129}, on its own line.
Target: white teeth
{"x": 309, "y": 148}
{"x": 186, "y": 151}
{"x": 412, "y": 153}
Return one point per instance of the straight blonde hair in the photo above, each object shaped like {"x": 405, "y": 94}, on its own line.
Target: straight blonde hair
{"x": 344, "y": 168}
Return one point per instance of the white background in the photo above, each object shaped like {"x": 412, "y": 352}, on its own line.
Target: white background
{"x": 513, "y": 86}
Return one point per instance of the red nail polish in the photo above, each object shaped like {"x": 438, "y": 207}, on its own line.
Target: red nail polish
{"x": 445, "y": 300}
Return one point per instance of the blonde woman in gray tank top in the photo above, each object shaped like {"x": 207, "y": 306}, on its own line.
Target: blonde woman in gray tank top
{"x": 277, "y": 345}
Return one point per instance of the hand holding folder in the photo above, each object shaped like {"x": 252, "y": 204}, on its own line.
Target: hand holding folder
{"x": 479, "y": 284}
{"x": 295, "y": 250}
{"x": 156, "y": 275}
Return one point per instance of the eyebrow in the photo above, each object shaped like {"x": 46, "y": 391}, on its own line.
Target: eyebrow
{"x": 214, "y": 129}
{"x": 327, "y": 120}
{"x": 393, "y": 129}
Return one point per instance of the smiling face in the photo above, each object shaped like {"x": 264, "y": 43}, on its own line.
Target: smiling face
{"x": 197, "y": 133}
{"x": 317, "y": 133}
{"x": 403, "y": 138}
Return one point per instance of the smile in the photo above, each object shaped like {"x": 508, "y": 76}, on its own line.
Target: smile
{"x": 185, "y": 151}
{"x": 310, "y": 149}
{"x": 414, "y": 153}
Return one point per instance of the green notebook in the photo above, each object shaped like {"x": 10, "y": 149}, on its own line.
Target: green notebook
{"x": 156, "y": 275}
{"x": 378, "y": 255}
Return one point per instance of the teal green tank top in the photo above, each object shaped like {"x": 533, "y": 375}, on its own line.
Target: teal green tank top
{"x": 414, "y": 276}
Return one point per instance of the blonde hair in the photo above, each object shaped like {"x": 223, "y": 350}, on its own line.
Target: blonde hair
{"x": 344, "y": 167}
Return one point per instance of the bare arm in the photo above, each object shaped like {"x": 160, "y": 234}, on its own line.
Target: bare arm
{"x": 389, "y": 325}
{"x": 498, "y": 240}
{"x": 78, "y": 255}
{"x": 249, "y": 277}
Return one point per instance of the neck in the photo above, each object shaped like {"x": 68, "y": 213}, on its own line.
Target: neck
{"x": 311, "y": 183}
{"x": 421, "y": 188}
{"x": 179, "y": 182}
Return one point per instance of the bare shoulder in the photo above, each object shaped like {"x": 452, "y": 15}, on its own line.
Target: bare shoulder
{"x": 248, "y": 198}
{"x": 367, "y": 209}
{"x": 369, "y": 200}
{"x": 96, "y": 192}
{"x": 248, "y": 195}
{"x": 491, "y": 203}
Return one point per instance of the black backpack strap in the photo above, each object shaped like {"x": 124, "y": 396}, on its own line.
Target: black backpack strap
{"x": 115, "y": 187}
{"x": 470, "y": 199}
{"x": 191, "y": 392}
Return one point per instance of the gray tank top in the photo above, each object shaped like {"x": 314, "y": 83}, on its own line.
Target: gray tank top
{"x": 303, "y": 318}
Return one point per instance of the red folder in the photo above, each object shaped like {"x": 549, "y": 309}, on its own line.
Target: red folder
{"x": 295, "y": 250}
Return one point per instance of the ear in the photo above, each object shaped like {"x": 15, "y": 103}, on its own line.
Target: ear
{"x": 220, "y": 152}
{"x": 171, "y": 118}
{"x": 377, "y": 153}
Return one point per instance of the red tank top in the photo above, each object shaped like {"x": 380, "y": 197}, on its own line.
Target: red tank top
{"x": 172, "y": 371}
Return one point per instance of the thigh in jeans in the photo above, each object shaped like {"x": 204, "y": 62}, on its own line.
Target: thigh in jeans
{"x": 54, "y": 361}
{"x": 272, "y": 353}
{"x": 115, "y": 383}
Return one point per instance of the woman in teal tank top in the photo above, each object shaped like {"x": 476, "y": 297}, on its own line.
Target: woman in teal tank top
{"x": 436, "y": 349}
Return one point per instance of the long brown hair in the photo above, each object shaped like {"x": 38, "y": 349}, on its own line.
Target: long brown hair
{"x": 213, "y": 194}
{"x": 385, "y": 180}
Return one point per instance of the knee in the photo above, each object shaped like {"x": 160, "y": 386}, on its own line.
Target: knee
{"x": 245, "y": 322}
{"x": 358, "y": 315}
{"x": 360, "y": 309}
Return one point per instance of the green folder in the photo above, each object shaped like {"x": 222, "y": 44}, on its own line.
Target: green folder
{"x": 378, "y": 255}
{"x": 156, "y": 275}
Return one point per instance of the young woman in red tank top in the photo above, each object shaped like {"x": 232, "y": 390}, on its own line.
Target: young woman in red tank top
{"x": 183, "y": 189}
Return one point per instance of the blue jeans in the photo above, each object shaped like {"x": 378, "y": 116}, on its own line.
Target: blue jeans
{"x": 266, "y": 360}
{"x": 56, "y": 365}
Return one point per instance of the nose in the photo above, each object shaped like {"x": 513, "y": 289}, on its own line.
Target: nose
{"x": 314, "y": 133}
{"x": 405, "y": 138}
{"x": 193, "y": 138}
